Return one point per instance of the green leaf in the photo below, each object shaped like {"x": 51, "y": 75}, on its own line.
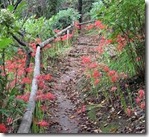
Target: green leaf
{"x": 5, "y": 42}
{"x": 21, "y": 5}
{"x": 92, "y": 114}
{"x": 4, "y": 112}
{"x": 14, "y": 91}
{"x": 10, "y": 7}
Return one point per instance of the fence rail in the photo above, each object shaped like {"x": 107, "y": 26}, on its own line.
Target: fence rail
{"x": 28, "y": 115}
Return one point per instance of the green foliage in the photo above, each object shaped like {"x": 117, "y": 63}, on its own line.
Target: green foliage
{"x": 4, "y": 42}
{"x": 63, "y": 18}
{"x": 6, "y": 17}
{"x": 36, "y": 28}
{"x": 126, "y": 18}
{"x": 96, "y": 6}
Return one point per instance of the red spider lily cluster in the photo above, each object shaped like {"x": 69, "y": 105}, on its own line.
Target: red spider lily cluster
{"x": 9, "y": 120}
{"x": 15, "y": 67}
{"x": 97, "y": 24}
{"x": 94, "y": 73}
{"x": 121, "y": 42}
{"x": 41, "y": 80}
{"x": 113, "y": 89}
{"x": 64, "y": 37}
{"x": 3, "y": 128}
{"x": 129, "y": 111}
{"x": 44, "y": 97}
{"x": 24, "y": 97}
{"x": 43, "y": 123}
{"x": 140, "y": 102}
{"x": 103, "y": 43}
{"x": 92, "y": 68}
{"x": 76, "y": 25}
{"x": 140, "y": 99}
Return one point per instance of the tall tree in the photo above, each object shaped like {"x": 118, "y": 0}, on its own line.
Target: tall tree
{"x": 80, "y": 10}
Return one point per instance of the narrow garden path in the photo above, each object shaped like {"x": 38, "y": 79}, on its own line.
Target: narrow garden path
{"x": 67, "y": 113}
{"x": 67, "y": 75}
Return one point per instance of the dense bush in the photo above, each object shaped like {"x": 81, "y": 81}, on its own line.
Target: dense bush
{"x": 63, "y": 18}
{"x": 126, "y": 18}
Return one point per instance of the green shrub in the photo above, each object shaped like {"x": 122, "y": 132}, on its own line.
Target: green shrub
{"x": 63, "y": 18}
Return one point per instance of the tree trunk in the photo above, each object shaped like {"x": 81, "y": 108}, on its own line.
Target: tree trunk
{"x": 80, "y": 12}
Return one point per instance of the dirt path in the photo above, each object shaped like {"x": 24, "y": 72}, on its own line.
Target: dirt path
{"x": 68, "y": 71}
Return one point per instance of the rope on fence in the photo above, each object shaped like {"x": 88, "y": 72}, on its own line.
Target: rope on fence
{"x": 28, "y": 115}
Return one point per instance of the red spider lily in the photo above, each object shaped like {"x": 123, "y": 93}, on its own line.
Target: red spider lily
{"x": 100, "y": 49}
{"x": 40, "y": 97}
{"x": 142, "y": 105}
{"x": 65, "y": 37}
{"x": 138, "y": 100}
{"x": 102, "y": 42}
{"x": 113, "y": 89}
{"x": 12, "y": 84}
{"x": 29, "y": 70}
{"x": 47, "y": 77}
{"x": 106, "y": 68}
{"x": 39, "y": 77}
{"x": 24, "y": 97}
{"x": 58, "y": 39}
{"x": 93, "y": 65}
{"x": 20, "y": 72}
{"x": 138, "y": 59}
{"x": 44, "y": 108}
{"x": 86, "y": 59}
{"x": 41, "y": 84}
{"x": 96, "y": 74}
{"x": 56, "y": 30}
{"x": 111, "y": 72}
{"x": 43, "y": 77}
{"x": 96, "y": 81}
{"x": 33, "y": 54}
{"x": 20, "y": 52}
{"x": 76, "y": 24}
{"x": 48, "y": 46}
{"x": 39, "y": 92}
{"x": 89, "y": 27}
{"x": 123, "y": 75}
{"x": 129, "y": 112}
{"x": 9, "y": 120}
{"x": 99, "y": 24}
{"x": 121, "y": 42}
{"x": 82, "y": 110}
{"x": 26, "y": 80}
{"x": 47, "y": 96}
{"x": 141, "y": 93}
{"x": 33, "y": 45}
{"x": 114, "y": 78}
{"x": 3, "y": 128}
{"x": 43, "y": 123}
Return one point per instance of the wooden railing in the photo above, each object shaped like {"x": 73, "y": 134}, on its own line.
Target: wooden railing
{"x": 28, "y": 115}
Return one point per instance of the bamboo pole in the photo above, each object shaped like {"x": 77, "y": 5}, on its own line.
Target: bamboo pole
{"x": 28, "y": 115}
{"x": 51, "y": 39}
